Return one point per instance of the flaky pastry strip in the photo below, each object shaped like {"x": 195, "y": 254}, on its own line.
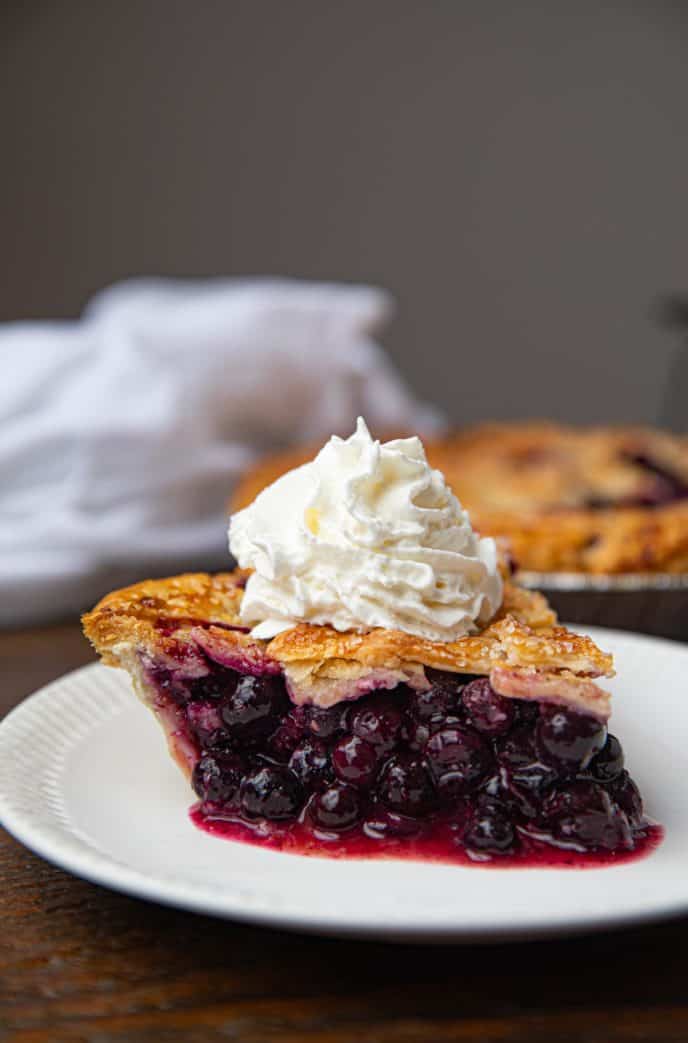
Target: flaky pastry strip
{"x": 184, "y": 618}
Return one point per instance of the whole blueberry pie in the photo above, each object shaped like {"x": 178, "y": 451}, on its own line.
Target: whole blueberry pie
{"x": 372, "y": 682}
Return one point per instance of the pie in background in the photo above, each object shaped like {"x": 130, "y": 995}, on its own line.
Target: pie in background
{"x": 604, "y": 500}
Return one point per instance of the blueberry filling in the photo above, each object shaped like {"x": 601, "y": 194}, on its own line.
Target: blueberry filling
{"x": 338, "y": 807}
{"x": 666, "y": 487}
{"x": 496, "y": 773}
{"x": 662, "y": 486}
{"x": 271, "y": 792}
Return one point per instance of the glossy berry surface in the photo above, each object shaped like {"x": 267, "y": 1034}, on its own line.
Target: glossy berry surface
{"x": 525, "y": 777}
{"x": 490, "y": 829}
{"x": 272, "y": 793}
{"x": 336, "y": 808}
{"x": 597, "y": 823}
{"x": 608, "y": 764}
{"x": 405, "y": 786}
{"x": 627, "y": 795}
{"x": 440, "y": 700}
{"x": 419, "y": 732}
{"x": 217, "y": 777}
{"x": 254, "y": 706}
{"x": 378, "y": 722}
{"x": 206, "y": 724}
{"x": 286, "y": 737}
{"x": 568, "y": 740}
{"x": 459, "y": 760}
{"x": 488, "y": 713}
{"x": 312, "y": 764}
{"x": 355, "y": 761}
{"x": 455, "y": 772}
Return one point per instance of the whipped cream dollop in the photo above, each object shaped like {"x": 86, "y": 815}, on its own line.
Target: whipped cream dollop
{"x": 365, "y": 535}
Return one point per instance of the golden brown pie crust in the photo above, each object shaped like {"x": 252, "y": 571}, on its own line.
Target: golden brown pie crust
{"x": 522, "y": 649}
{"x": 534, "y": 484}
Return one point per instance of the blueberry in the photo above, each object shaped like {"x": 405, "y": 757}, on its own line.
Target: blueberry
{"x": 251, "y": 710}
{"x": 325, "y": 723}
{"x": 336, "y": 808}
{"x": 488, "y": 712}
{"x": 627, "y": 795}
{"x": 271, "y": 792}
{"x": 217, "y": 777}
{"x": 529, "y": 786}
{"x": 378, "y": 721}
{"x": 577, "y": 796}
{"x": 595, "y": 823}
{"x": 608, "y": 764}
{"x": 568, "y": 740}
{"x": 490, "y": 829}
{"x": 206, "y": 726}
{"x": 459, "y": 761}
{"x": 311, "y": 764}
{"x": 214, "y": 685}
{"x": 517, "y": 749}
{"x": 441, "y": 698}
{"x": 419, "y": 732}
{"x": 523, "y": 774}
{"x": 405, "y": 786}
{"x": 354, "y": 761}
{"x": 286, "y": 738}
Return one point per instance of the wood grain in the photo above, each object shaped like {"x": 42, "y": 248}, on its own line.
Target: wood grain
{"x": 79, "y": 963}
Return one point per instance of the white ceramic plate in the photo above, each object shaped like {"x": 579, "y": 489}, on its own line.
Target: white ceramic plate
{"x": 86, "y": 782}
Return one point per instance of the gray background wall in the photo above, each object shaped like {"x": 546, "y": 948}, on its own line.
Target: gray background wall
{"x": 516, "y": 173}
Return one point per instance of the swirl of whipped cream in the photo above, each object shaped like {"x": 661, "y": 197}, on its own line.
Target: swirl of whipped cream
{"x": 365, "y": 535}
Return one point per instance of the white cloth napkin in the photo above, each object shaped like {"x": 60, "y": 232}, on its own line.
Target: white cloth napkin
{"x": 123, "y": 432}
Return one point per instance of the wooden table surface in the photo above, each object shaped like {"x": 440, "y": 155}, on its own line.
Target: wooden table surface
{"x": 80, "y": 963}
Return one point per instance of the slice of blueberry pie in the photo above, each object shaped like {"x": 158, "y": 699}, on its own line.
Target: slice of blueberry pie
{"x": 373, "y": 682}
{"x": 493, "y": 744}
